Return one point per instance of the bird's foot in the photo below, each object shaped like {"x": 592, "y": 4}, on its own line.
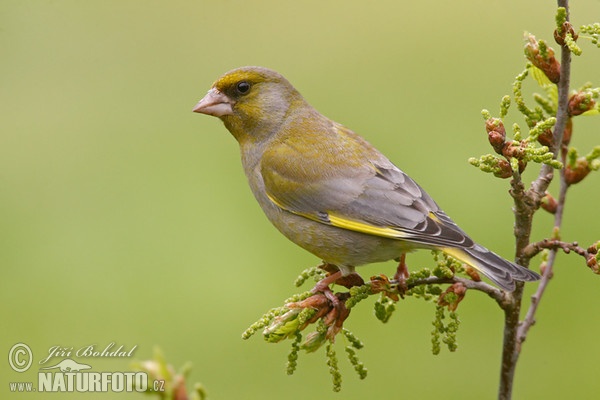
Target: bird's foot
{"x": 348, "y": 281}
{"x": 402, "y": 275}
{"x": 334, "y": 312}
{"x": 323, "y": 285}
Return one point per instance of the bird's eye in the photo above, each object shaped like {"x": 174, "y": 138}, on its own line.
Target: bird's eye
{"x": 243, "y": 87}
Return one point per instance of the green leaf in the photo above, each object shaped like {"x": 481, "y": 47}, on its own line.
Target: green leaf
{"x": 592, "y": 112}
{"x": 540, "y": 77}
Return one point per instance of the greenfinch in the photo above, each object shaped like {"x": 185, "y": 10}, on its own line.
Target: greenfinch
{"x": 327, "y": 189}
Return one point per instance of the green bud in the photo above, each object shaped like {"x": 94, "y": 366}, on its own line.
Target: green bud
{"x": 504, "y": 106}
{"x": 293, "y": 355}
{"x": 560, "y": 18}
{"x": 315, "y": 272}
{"x": 334, "y": 370}
{"x": 354, "y": 341}
{"x": 517, "y": 132}
{"x": 282, "y": 327}
{"x": 357, "y": 294}
{"x": 314, "y": 341}
{"x": 358, "y": 366}
{"x": 384, "y": 308}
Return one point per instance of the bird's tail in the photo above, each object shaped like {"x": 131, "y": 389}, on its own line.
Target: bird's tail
{"x": 500, "y": 271}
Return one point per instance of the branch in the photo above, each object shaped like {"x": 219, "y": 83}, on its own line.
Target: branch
{"x": 526, "y": 203}
{"x": 554, "y": 245}
{"x": 562, "y": 116}
{"x": 493, "y": 292}
{"x": 534, "y": 249}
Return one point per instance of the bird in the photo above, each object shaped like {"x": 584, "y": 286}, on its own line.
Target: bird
{"x": 330, "y": 191}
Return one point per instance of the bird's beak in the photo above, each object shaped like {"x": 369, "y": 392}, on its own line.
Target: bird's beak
{"x": 214, "y": 103}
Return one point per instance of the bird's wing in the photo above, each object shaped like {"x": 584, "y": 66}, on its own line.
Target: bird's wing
{"x": 352, "y": 186}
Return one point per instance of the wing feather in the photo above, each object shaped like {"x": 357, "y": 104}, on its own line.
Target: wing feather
{"x": 348, "y": 184}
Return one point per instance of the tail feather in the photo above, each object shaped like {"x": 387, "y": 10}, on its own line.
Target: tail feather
{"x": 500, "y": 271}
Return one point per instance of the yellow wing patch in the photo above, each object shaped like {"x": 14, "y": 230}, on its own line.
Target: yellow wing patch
{"x": 345, "y": 223}
{"x": 365, "y": 228}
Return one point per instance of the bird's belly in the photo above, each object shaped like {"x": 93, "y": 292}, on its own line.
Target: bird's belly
{"x": 337, "y": 246}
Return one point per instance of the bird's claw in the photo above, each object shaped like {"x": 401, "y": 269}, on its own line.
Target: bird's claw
{"x": 334, "y": 312}
{"x": 401, "y": 275}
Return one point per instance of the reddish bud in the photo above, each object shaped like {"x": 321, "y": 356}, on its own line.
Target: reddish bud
{"x": 549, "y": 203}
{"x": 495, "y": 124}
{"x": 381, "y": 283}
{"x": 575, "y": 174}
{"x": 566, "y": 28}
{"x": 543, "y": 60}
{"x": 459, "y": 290}
{"x": 544, "y": 267}
{"x": 592, "y": 262}
{"x": 580, "y": 102}
{"x": 497, "y": 141}
{"x": 546, "y": 139}
{"x": 513, "y": 150}
{"x": 592, "y": 259}
{"x": 179, "y": 390}
{"x": 496, "y": 133}
{"x": 473, "y": 274}
{"x": 504, "y": 170}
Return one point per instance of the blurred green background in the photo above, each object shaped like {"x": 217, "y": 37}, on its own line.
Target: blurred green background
{"x": 126, "y": 218}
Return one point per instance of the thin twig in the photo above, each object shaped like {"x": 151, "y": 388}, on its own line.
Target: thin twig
{"x": 525, "y": 206}
{"x": 548, "y": 271}
{"x": 493, "y": 292}
{"x": 534, "y": 249}
{"x": 561, "y": 122}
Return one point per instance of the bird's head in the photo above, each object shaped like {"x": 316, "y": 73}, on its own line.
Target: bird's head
{"x": 253, "y": 102}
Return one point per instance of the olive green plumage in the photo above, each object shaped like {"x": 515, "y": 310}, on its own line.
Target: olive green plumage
{"x": 327, "y": 189}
